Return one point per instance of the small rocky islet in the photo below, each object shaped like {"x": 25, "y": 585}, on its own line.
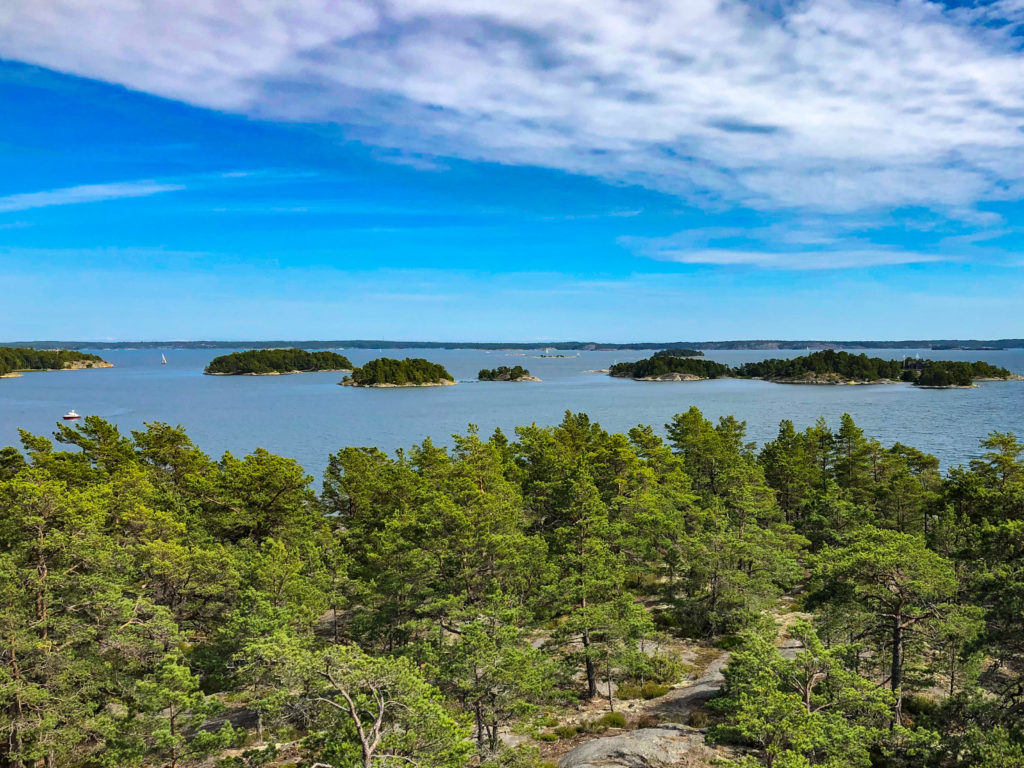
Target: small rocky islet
{"x": 504, "y": 373}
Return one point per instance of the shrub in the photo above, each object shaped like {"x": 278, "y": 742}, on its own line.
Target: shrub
{"x": 547, "y": 736}
{"x": 610, "y": 720}
{"x": 697, "y": 719}
{"x": 647, "y": 690}
{"x": 567, "y": 731}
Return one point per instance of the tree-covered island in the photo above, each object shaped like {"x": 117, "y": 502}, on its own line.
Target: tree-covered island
{"x": 665, "y": 367}
{"x": 14, "y": 360}
{"x": 504, "y": 373}
{"x": 273, "y": 362}
{"x": 839, "y": 367}
{"x": 824, "y": 367}
{"x": 389, "y": 372}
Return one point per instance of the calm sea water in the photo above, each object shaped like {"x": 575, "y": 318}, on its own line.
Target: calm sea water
{"x": 308, "y": 416}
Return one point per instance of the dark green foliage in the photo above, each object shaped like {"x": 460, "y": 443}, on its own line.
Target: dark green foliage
{"x": 410, "y": 371}
{"x": 26, "y": 359}
{"x": 662, "y": 364}
{"x": 502, "y": 373}
{"x": 257, "y": 361}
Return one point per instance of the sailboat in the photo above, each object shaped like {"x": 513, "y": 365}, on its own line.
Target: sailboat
{"x": 163, "y": 359}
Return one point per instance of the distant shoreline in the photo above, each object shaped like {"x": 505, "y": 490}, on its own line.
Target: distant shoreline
{"x": 968, "y": 345}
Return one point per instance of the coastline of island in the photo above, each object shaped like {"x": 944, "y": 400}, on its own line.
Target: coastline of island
{"x": 589, "y": 346}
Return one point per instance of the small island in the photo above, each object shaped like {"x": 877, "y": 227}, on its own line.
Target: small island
{"x": 15, "y": 360}
{"x": 504, "y": 373}
{"x": 388, "y": 372}
{"x": 276, "y": 362}
{"x": 667, "y": 367}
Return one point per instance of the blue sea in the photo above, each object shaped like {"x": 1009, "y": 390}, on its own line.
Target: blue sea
{"x": 307, "y": 416}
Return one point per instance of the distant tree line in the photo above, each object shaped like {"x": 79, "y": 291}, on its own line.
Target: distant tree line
{"x": 757, "y": 344}
{"x": 278, "y": 361}
{"x": 411, "y": 370}
{"x": 503, "y": 373}
{"x": 27, "y": 359}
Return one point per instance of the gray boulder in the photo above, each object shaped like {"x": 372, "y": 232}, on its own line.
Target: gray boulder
{"x": 664, "y": 745}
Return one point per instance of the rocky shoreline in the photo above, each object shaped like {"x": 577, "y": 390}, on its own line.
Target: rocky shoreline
{"x": 675, "y": 376}
{"x": 78, "y": 365}
{"x": 277, "y": 373}
{"x": 81, "y": 365}
{"x": 351, "y": 383}
{"x": 828, "y": 380}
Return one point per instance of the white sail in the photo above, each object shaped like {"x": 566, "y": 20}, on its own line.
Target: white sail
{"x": 163, "y": 359}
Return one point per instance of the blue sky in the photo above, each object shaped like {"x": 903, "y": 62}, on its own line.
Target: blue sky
{"x": 460, "y": 169}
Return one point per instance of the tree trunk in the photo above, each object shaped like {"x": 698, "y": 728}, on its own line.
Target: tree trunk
{"x": 174, "y": 747}
{"x": 611, "y": 697}
{"x": 896, "y": 678}
{"x": 478, "y": 713}
{"x": 591, "y": 672}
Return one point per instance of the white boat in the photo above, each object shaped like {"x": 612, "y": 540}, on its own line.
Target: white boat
{"x": 163, "y": 359}
{"x": 71, "y": 415}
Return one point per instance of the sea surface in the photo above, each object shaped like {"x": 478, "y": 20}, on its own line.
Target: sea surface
{"x": 307, "y": 416}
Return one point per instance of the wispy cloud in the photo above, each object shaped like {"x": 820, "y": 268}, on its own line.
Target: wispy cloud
{"x": 823, "y": 105}
{"x": 805, "y": 260}
{"x": 86, "y": 193}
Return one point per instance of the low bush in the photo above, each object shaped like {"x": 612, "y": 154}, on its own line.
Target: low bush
{"x": 609, "y": 720}
{"x": 697, "y": 719}
{"x": 648, "y": 690}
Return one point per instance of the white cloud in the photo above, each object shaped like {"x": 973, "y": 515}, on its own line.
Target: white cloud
{"x": 87, "y": 193}
{"x": 824, "y": 105}
{"x": 795, "y": 260}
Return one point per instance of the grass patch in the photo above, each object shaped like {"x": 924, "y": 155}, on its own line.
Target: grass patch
{"x": 646, "y": 691}
{"x": 568, "y": 731}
